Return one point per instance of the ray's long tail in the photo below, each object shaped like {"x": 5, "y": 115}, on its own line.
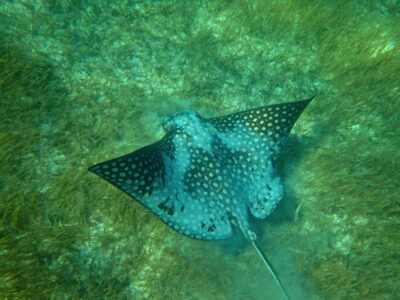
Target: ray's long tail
{"x": 270, "y": 267}
{"x": 252, "y": 238}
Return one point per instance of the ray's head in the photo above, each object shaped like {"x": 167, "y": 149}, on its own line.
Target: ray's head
{"x": 181, "y": 120}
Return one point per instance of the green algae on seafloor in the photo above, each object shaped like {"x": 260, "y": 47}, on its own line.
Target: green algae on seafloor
{"x": 83, "y": 77}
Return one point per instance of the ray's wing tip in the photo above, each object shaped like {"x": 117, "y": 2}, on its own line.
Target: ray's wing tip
{"x": 307, "y": 100}
{"x": 93, "y": 168}
{"x": 310, "y": 98}
{"x": 302, "y": 104}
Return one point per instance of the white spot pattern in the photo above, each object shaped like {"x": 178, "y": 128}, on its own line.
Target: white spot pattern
{"x": 205, "y": 172}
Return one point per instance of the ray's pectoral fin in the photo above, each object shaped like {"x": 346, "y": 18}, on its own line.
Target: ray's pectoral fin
{"x": 272, "y": 121}
{"x": 156, "y": 176}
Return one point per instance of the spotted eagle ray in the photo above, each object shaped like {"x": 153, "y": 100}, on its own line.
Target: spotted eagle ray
{"x": 206, "y": 174}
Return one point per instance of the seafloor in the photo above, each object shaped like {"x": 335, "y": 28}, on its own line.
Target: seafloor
{"x": 82, "y": 81}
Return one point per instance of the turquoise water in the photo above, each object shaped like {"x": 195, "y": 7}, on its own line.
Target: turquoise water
{"x": 86, "y": 81}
